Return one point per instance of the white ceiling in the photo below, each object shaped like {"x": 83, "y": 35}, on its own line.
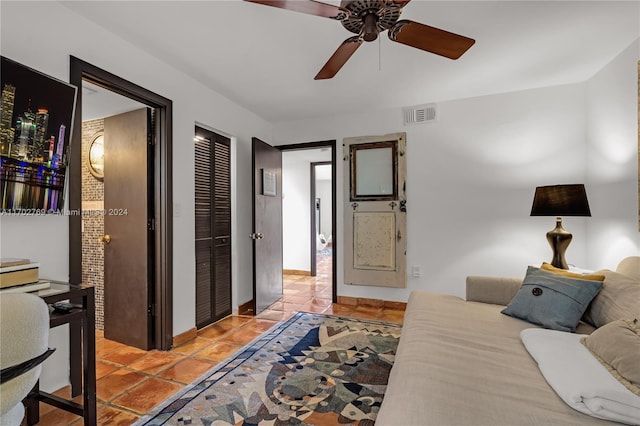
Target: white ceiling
{"x": 99, "y": 103}
{"x": 265, "y": 58}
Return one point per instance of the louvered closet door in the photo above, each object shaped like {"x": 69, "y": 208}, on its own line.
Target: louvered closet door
{"x": 222, "y": 227}
{"x": 213, "y": 226}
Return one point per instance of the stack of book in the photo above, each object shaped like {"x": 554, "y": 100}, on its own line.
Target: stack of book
{"x": 20, "y": 275}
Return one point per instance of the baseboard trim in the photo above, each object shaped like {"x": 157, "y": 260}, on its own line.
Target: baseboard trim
{"x": 296, "y": 272}
{"x": 185, "y": 337}
{"x": 246, "y": 308}
{"x": 378, "y": 303}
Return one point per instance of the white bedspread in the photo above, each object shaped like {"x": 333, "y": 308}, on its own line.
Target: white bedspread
{"x": 578, "y": 378}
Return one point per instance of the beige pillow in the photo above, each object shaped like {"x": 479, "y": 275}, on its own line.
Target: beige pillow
{"x": 617, "y": 347}
{"x": 590, "y": 277}
{"x": 618, "y": 299}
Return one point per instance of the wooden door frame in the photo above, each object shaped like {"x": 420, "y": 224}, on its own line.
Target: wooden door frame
{"x": 332, "y": 145}
{"x": 163, "y": 190}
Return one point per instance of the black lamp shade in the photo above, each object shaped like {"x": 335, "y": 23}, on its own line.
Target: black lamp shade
{"x": 560, "y": 200}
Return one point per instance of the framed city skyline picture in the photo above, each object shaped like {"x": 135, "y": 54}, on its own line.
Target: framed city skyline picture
{"x": 36, "y": 119}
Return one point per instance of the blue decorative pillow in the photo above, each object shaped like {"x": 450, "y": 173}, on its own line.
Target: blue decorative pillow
{"x": 551, "y": 300}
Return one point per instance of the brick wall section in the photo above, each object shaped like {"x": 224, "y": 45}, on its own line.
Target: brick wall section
{"x": 93, "y": 225}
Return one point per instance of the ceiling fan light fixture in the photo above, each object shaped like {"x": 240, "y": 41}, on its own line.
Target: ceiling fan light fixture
{"x": 370, "y": 29}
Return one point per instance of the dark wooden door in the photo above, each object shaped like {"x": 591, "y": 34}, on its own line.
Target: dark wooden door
{"x": 213, "y": 226}
{"x": 267, "y": 224}
{"x": 127, "y": 261}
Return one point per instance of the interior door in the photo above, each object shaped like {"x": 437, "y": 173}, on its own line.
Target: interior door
{"x": 375, "y": 216}
{"x": 213, "y": 226}
{"x": 128, "y": 235}
{"x": 267, "y": 224}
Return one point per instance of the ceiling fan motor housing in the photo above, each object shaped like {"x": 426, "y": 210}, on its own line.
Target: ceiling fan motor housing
{"x": 370, "y": 17}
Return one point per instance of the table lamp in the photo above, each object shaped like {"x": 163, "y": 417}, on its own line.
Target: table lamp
{"x": 560, "y": 200}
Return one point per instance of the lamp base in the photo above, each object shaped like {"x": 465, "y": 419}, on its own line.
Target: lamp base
{"x": 559, "y": 239}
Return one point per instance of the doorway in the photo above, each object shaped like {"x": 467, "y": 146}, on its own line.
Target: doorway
{"x": 321, "y": 219}
{"x": 152, "y": 286}
{"x": 115, "y": 131}
{"x": 309, "y": 195}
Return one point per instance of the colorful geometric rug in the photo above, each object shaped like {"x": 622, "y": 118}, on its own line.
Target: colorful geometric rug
{"x": 312, "y": 369}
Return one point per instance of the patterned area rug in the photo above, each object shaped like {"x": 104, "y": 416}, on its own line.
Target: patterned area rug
{"x": 310, "y": 370}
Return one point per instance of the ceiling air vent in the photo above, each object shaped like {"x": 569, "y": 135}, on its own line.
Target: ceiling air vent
{"x": 420, "y": 114}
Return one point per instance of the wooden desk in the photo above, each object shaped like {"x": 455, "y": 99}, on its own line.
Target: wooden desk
{"x": 82, "y": 352}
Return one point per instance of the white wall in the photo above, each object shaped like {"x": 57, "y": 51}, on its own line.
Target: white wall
{"x": 612, "y": 120}
{"x": 296, "y": 217}
{"x": 323, "y": 191}
{"x": 45, "y": 239}
{"x": 471, "y": 179}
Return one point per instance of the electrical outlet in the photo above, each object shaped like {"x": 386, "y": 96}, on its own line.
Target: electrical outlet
{"x": 416, "y": 271}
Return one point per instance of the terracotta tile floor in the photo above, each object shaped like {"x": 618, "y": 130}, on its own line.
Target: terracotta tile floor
{"x": 130, "y": 382}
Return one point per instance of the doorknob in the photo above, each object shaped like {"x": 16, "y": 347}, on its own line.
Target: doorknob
{"x": 105, "y": 239}
{"x": 256, "y": 236}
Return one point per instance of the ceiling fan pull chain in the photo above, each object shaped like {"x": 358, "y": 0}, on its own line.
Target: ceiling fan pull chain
{"x": 379, "y": 54}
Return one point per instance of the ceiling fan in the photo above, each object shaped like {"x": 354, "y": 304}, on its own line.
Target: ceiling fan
{"x": 367, "y": 19}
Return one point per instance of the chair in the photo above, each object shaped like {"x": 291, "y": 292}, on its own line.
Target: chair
{"x": 24, "y": 334}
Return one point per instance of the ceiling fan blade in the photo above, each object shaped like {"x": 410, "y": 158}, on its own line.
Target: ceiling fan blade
{"x": 399, "y": 3}
{"x": 339, "y": 58}
{"x": 430, "y": 39}
{"x": 309, "y": 7}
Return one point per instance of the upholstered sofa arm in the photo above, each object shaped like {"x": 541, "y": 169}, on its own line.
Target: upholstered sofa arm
{"x": 495, "y": 290}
